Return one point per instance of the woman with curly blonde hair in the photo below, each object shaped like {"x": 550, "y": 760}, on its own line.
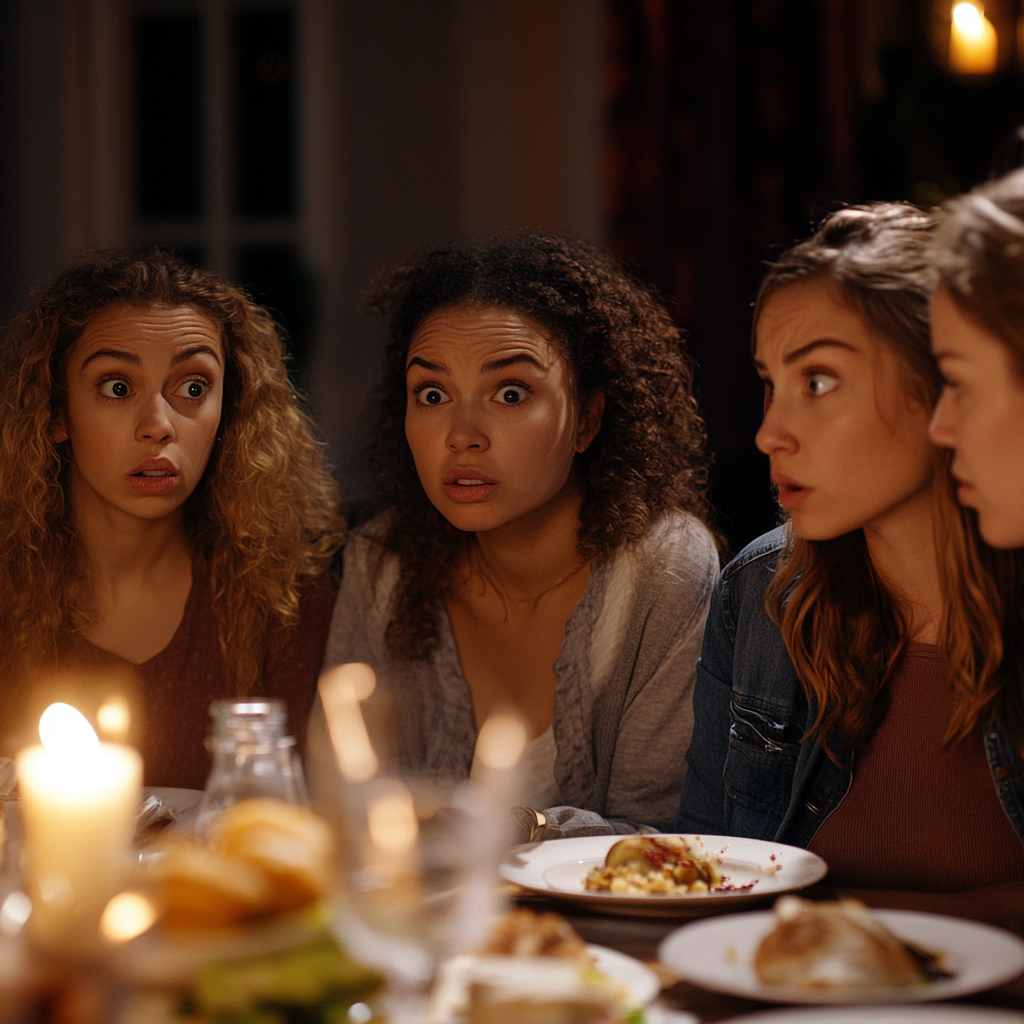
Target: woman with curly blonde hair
{"x": 541, "y": 541}
{"x": 164, "y": 509}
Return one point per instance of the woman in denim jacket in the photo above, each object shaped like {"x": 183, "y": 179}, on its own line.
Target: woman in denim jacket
{"x": 853, "y": 694}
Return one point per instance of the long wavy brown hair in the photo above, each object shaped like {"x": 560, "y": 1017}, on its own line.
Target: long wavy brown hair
{"x": 615, "y": 337}
{"x": 844, "y": 626}
{"x": 264, "y": 515}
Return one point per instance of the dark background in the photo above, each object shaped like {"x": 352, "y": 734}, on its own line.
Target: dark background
{"x": 297, "y": 146}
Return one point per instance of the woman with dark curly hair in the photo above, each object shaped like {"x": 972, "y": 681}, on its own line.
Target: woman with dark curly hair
{"x": 541, "y": 541}
{"x": 856, "y": 693}
{"x": 164, "y": 510}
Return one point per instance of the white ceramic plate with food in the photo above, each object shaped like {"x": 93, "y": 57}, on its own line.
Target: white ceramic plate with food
{"x": 945, "y": 1014}
{"x": 753, "y": 870}
{"x": 719, "y": 955}
{"x": 638, "y": 983}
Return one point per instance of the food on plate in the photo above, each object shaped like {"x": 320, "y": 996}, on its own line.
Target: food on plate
{"x": 533, "y": 969}
{"x": 654, "y": 864}
{"x": 315, "y": 983}
{"x": 291, "y": 844}
{"x": 536, "y": 990}
{"x": 265, "y": 857}
{"x": 838, "y": 945}
{"x": 524, "y": 933}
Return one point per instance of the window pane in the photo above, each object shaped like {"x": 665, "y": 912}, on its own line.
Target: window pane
{"x": 265, "y": 156}
{"x": 275, "y": 276}
{"x": 167, "y": 115}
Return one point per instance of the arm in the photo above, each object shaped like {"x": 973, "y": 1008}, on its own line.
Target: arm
{"x": 643, "y": 717}
{"x": 702, "y": 806}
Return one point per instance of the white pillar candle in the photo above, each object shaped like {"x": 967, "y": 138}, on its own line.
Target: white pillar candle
{"x": 79, "y": 801}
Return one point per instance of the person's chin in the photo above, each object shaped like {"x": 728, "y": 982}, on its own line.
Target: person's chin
{"x": 1001, "y": 529}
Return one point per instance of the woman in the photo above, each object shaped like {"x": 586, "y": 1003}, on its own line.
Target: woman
{"x": 978, "y": 340}
{"x": 164, "y": 510}
{"x": 851, "y": 689}
{"x": 541, "y": 544}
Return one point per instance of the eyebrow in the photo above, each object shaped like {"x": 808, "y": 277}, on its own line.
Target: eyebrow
{"x": 792, "y": 357}
{"x": 494, "y": 364}
{"x": 135, "y": 360}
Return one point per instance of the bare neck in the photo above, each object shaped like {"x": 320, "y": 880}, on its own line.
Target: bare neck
{"x": 902, "y": 551}
{"x": 536, "y": 553}
{"x": 125, "y": 552}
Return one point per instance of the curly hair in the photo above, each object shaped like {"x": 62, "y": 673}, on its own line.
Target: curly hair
{"x": 264, "y": 514}
{"x": 844, "y": 629}
{"x": 615, "y": 338}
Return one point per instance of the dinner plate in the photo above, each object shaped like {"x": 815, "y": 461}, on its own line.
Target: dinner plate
{"x": 719, "y": 955}
{"x": 753, "y": 870}
{"x": 893, "y": 1015}
{"x": 450, "y": 1001}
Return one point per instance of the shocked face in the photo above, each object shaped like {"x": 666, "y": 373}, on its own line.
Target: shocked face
{"x": 144, "y": 388}
{"x": 847, "y": 440}
{"x": 490, "y": 416}
{"x": 981, "y": 416}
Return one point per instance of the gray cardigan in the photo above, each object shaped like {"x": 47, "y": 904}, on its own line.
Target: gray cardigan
{"x": 624, "y": 679}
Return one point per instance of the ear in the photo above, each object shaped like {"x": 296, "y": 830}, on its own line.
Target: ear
{"x": 58, "y": 431}
{"x": 590, "y": 421}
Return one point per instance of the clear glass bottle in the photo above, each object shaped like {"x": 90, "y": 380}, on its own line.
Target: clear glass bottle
{"x": 252, "y": 757}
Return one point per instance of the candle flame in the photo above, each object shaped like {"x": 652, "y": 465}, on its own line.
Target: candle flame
{"x": 502, "y": 741}
{"x": 127, "y": 916}
{"x": 66, "y": 732}
{"x": 969, "y": 19}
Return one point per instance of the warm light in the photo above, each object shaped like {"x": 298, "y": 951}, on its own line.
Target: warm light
{"x": 341, "y": 689}
{"x": 973, "y": 45}
{"x": 127, "y": 916}
{"x": 66, "y": 733}
{"x": 501, "y": 742}
{"x": 14, "y": 913}
{"x": 114, "y": 718}
{"x": 392, "y": 821}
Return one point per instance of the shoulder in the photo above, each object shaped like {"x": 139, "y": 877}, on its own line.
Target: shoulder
{"x": 677, "y": 545}
{"x": 755, "y": 565}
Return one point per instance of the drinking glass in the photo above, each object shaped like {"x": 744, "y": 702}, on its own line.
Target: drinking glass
{"x": 419, "y": 853}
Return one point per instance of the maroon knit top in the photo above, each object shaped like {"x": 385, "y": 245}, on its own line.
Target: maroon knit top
{"x": 919, "y": 815}
{"x": 172, "y": 692}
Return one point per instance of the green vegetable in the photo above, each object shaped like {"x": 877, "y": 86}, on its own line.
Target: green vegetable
{"x": 313, "y": 983}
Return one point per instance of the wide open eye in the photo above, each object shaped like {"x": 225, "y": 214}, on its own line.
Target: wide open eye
{"x": 821, "y": 384}
{"x": 432, "y": 396}
{"x": 194, "y": 389}
{"x": 511, "y": 394}
{"x": 115, "y": 388}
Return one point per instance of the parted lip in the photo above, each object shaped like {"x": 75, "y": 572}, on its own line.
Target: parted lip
{"x": 781, "y": 480}
{"x": 162, "y": 464}
{"x": 468, "y": 473}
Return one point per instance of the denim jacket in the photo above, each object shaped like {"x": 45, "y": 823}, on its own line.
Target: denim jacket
{"x": 749, "y": 773}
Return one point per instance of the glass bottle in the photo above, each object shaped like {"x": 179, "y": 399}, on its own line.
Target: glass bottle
{"x": 252, "y": 757}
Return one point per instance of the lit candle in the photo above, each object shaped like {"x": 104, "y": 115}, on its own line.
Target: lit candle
{"x": 973, "y": 47}
{"x": 79, "y": 801}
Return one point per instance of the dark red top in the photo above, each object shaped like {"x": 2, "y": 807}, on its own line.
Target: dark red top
{"x": 174, "y": 689}
{"x": 920, "y": 815}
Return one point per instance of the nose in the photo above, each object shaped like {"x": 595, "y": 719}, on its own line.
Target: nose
{"x": 940, "y": 430}
{"x": 155, "y": 423}
{"x": 466, "y": 433}
{"x": 775, "y": 435}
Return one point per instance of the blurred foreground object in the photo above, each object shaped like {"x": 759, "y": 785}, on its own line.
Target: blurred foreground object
{"x": 264, "y": 857}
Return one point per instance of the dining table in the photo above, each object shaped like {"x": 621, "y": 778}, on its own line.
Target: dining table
{"x": 641, "y": 937}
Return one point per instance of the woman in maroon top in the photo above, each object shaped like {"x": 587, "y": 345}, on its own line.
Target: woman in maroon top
{"x": 165, "y": 516}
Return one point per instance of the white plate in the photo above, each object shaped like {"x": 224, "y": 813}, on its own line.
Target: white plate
{"x": 891, "y": 1015}
{"x": 450, "y": 1000}
{"x": 719, "y": 955}
{"x": 753, "y": 870}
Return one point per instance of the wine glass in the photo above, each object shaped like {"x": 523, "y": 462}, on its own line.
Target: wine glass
{"x": 420, "y": 853}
